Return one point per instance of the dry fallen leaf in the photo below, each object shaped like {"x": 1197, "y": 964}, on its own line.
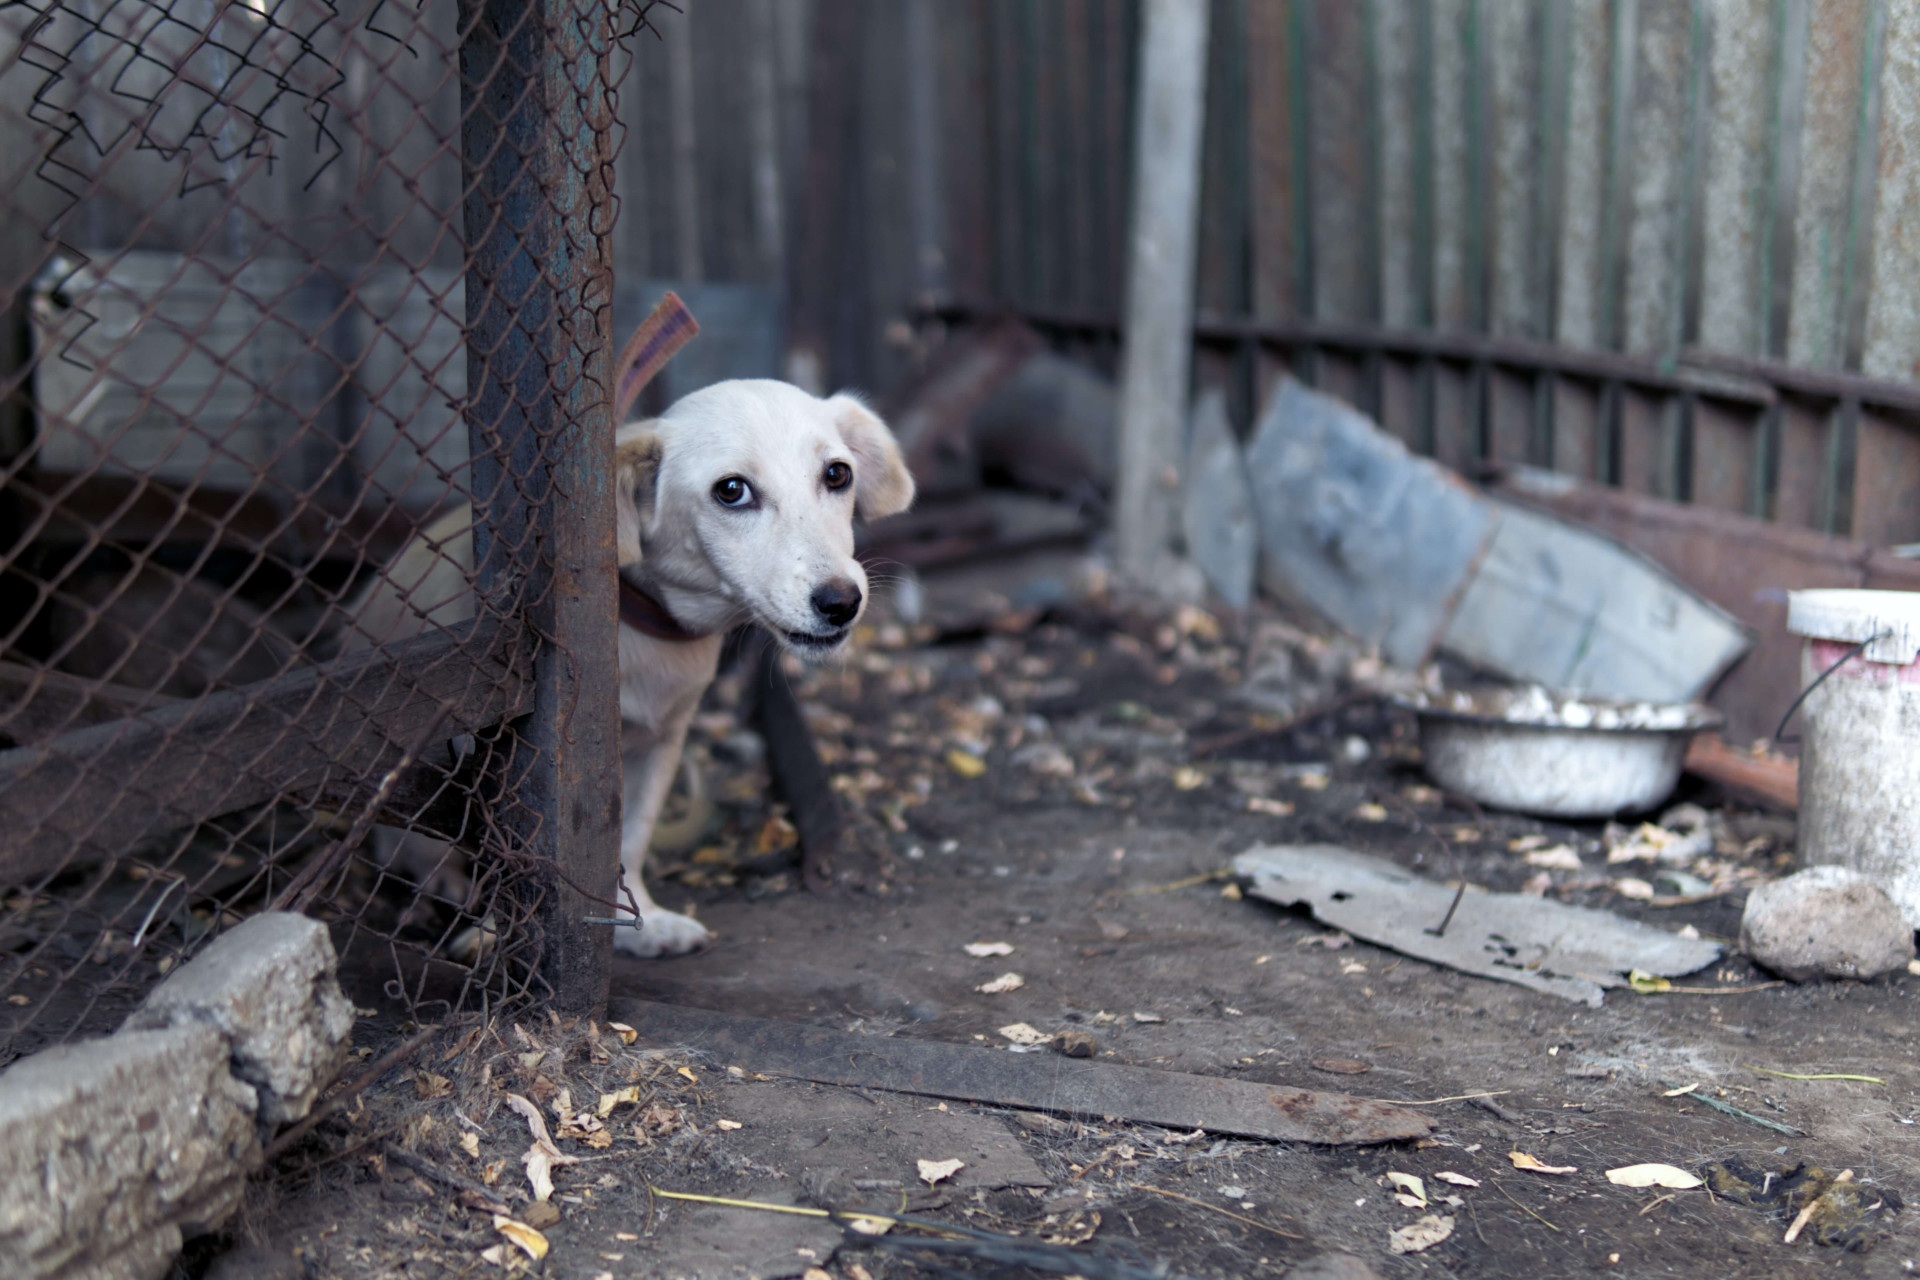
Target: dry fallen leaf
{"x": 1422, "y": 1234}
{"x": 932, "y": 1171}
{"x": 1147, "y": 1017}
{"x": 530, "y": 1241}
{"x": 1457, "y": 1179}
{"x": 428, "y": 1085}
{"x": 981, "y": 950}
{"x": 1633, "y": 887}
{"x": 1024, "y": 1033}
{"x": 728, "y": 1125}
{"x": 870, "y": 1226}
{"x": 1001, "y": 985}
{"x": 1560, "y": 857}
{"x": 816, "y": 1273}
{"x": 1653, "y": 1175}
{"x": 1412, "y": 1191}
{"x": 470, "y": 1143}
{"x": 542, "y": 1156}
{"x": 1521, "y": 1160}
{"x": 965, "y": 763}
{"x": 1272, "y": 808}
{"x": 1188, "y": 778}
{"x": 608, "y": 1101}
{"x": 1371, "y": 812}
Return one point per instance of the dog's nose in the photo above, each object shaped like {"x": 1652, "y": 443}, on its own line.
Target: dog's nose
{"x": 837, "y": 601}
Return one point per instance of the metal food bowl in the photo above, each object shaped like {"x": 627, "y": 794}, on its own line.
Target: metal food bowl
{"x": 1557, "y": 755}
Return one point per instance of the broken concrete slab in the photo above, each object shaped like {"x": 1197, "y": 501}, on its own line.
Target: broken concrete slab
{"x": 268, "y": 986}
{"x": 1037, "y": 1083}
{"x": 1356, "y": 528}
{"x": 116, "y": 1148}
{"x": 1568, "y": 608}
{"x": 1825, "y": 922}
{"x": 1570, "y": 952}
{"x": 1217, "y": 508}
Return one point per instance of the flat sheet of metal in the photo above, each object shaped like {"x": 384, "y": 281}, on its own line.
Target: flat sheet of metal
{"x": 1570, "y": 952}
{"x": 1030, "y": 1082}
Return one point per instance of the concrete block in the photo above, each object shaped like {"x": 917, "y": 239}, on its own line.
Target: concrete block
{"x": 267, "y": 985}
{"x": 1825, "y": 922}
{"x": 116, "y": 1147}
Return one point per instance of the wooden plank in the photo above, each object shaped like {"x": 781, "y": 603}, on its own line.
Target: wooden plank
{"x": 1886, "y": 484}
{"x": 1726, "y": 445}
{"x": 539, "y": 297}
{"x": 94, "y": 793}
{"x": 930, "y": 1068}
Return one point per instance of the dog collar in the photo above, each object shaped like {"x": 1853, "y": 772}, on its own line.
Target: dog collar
{"x": 649, "y": 617}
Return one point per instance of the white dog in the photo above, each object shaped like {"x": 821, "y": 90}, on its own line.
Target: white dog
{"x": 736, "y": 505}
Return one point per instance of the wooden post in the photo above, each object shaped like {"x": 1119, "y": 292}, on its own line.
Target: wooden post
{"x": 1159, "y": 317}
{"x": 536, "y": 142}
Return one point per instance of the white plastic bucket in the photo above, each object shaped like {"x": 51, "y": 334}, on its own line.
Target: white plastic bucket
{"x": 1860, "y": 736}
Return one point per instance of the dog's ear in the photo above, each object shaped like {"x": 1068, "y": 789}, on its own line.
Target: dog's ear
{"x": 885, "y": 486}
{"x": 636, "y": 472}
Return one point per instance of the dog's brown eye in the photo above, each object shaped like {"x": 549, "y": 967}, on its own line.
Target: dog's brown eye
{"x": 839, "y": 475}
{"x": 733, "y": 492}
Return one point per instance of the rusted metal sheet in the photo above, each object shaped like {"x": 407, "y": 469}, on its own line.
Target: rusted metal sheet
{"x": 1836, "y": 43}
{"x": 1802, "y": 488}
{"x": 1063, "y": 1086}
{"x": 1271, "y": 107}
{"x": 1892, "y": 345}
{"x": 1726, "y": 449}
{"x": 931, "y": 416}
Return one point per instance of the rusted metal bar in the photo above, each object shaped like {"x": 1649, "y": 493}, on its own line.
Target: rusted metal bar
{"x": 94, "y": 793}
{"x": 1462, "y": 347}
{"x": 536, "y": 149}
{"x": 1824, "y": 384}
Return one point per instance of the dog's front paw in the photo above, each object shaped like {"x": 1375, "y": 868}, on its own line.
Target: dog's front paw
{"x": 662, "y": 933}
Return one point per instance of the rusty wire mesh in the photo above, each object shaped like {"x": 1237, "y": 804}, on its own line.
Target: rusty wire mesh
{"x": 236, "y": 242}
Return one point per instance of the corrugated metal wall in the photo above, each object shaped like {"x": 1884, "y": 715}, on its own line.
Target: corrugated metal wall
{"x": 1669, "y": 244}
{"x": 1642, "y": 241}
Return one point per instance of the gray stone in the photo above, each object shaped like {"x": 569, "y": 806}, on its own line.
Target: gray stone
{"x": 268, "y": 985}
{"x": 1825, "y": 922}
{"x": 115, "y": 1147}
{"x": 1218, "y": 505}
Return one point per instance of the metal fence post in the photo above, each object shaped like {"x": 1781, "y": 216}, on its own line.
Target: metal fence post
{"x": 536, "y": 120}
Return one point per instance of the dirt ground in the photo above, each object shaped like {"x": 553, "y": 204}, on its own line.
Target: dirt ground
{"x": 1073, "y": 786}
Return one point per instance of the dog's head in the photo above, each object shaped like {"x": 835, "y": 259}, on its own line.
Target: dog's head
{"x": 740, "y": 500}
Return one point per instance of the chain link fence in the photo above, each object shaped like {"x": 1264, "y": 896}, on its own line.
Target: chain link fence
{"x": 306, "y": 537}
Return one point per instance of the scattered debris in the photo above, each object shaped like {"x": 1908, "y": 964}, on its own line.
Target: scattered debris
{"x": 1024, "y": 1033}
{"x": 1825, "y": 922}
{"x": 1521, "y": 1160}
{"x": 1341, "y": 1066}
{"x": 1416, "y": 1237}
{"x": 1728, "y": 1108}
{"x": 530, "y": 1242}
{"x": 981, "y": 950}
{"x": 1457, "y": 1179}
{"x": 1164, "y": 1098}
{"x": 543, "y": 1155}
{"x": 1410, "y": 1190}
{"x": 932, "y": 1171}
{"x": 1835, "y": 1209}
{"x": 1566, "y": 951}
{"x": 1653, "y": 1175}
{"x": 1823, "y": 1075}
{"x": 1077, "y": 1044}
{"x": 1001, "y": 985}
